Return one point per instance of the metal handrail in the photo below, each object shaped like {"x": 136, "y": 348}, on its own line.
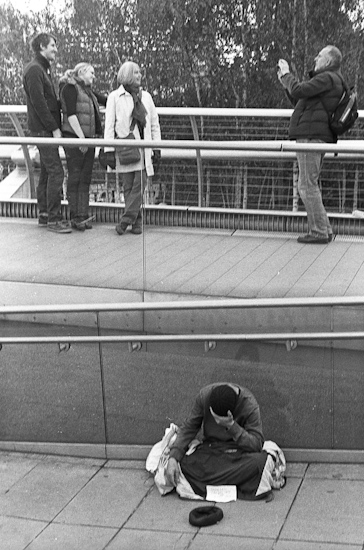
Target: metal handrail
{"x": 182, "y": 306}
{"x": 137, "y": 338}
{"x": 347, "y": 146}
{"x": 195, "y": 111}
{"x": 186, "y": 305}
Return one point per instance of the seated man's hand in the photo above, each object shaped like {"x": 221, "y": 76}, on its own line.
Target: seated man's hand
{"x": 224, "y": 421}
{"x": 172, "y": 472}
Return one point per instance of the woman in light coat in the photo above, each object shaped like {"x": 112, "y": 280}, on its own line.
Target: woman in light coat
{"x": 126, "y": 106}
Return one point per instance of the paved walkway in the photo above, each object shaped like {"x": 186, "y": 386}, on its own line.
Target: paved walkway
{"x": 65, "y": 503}
{"x": 181, "y": 261}
{"x": 52, "y": 503}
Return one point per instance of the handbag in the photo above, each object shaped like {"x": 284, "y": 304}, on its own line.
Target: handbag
{"x": 107, "y": 159}
{"x": 128, "y": 154}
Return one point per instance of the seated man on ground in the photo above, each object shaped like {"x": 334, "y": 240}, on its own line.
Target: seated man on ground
{"x": 232, "y": 441}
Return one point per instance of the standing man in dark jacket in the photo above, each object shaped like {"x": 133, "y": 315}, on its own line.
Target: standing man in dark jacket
{"x": 310, "y": 124}
{"x": 44, "y": 120}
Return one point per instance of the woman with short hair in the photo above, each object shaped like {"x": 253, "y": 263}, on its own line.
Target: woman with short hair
{"x": 131, "y": 109}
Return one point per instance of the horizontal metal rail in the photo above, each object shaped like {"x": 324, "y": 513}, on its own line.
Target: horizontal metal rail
{"x": 263, "y": 337}
{"x": 346, "y": 146}
{"x": 185, "y": 305}
{"x": 181, "y": 306}
{"x": 195, "y": 111}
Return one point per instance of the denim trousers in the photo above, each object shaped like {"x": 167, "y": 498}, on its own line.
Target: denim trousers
{"x": 79, "y": 166}
{"x": 49, "y": 189}
{"x": 134, "y": 184}
{"x": 309, "y": 167}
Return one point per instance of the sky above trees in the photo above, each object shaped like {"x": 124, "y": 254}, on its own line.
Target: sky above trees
{"x": 26, "y": 6}
{"x": 208, "y": 53}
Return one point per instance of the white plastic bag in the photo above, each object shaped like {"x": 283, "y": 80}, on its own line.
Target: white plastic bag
{"x": 275, "y": 467}
{"x": 157, "y": 450}
{"x": 279, "y": 467}
{"x": 160, "y": 478}
{"x": 157, "y": 461}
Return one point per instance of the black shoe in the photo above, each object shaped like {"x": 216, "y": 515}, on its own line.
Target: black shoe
{"x": 330, "y": 237}
{"x": 136, "y": 229}
{"x": 87, "y": 222}
{"x": 310, "y": 239}
{"x": 59, "y": 227}
{"x": 121, "y": 228}
{"x": 78, "y": 225}
{"x": 43, "y": 220}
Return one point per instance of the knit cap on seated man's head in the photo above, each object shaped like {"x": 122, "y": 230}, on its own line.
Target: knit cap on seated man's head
{"x": 223, "y": 399}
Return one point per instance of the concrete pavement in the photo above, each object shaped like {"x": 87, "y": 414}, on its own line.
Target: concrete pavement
{"x": 64, "y": 503}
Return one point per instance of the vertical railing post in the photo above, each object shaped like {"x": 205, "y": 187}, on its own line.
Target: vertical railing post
{"x": 28, "y": 162}
{"x": 199, "y": 161}
{"x": 295, "y": 195}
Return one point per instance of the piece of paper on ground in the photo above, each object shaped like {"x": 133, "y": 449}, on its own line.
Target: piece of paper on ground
{"x": 221, "y": 493}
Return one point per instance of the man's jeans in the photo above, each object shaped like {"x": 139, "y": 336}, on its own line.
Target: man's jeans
{"x": 79, "y": 166}
{"x": 49, "y": 190}
{"x": 309, "y": 166}
{"x": 134, "y": 184}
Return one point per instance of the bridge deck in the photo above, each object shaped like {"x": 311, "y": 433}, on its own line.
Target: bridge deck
{"x": 182, "y": 261}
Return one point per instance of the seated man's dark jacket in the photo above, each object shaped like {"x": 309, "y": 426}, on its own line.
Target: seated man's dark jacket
{"x": 310, "y": 119}
{"x": 245, "y": 434}
{"x": 43, "y": 107}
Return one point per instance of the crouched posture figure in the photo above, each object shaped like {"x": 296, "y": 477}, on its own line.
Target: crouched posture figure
{"x": 231, "y": 452}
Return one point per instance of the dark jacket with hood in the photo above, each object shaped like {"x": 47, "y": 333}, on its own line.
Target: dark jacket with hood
{"x": 310, "y": 119}
{"x": 42, "y": 104}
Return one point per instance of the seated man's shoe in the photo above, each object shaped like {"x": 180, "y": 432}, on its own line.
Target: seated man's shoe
{"x": 311, "y": 239}
{"x": 59, "y": 227}
{"x": 121, "y": 228}
{"x": 137, "y": 229}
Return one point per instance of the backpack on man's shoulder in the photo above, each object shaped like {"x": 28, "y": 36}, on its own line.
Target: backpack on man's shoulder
{"x": 346, "y": 112}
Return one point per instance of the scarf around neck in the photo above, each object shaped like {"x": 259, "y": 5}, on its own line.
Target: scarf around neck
{"x": 139, "y": 112}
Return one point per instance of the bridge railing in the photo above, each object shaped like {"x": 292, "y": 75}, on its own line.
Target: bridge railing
{"x": 195, "y": 305}
{"x": 94, "y": 388}
{"x": 220, "y": 177}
